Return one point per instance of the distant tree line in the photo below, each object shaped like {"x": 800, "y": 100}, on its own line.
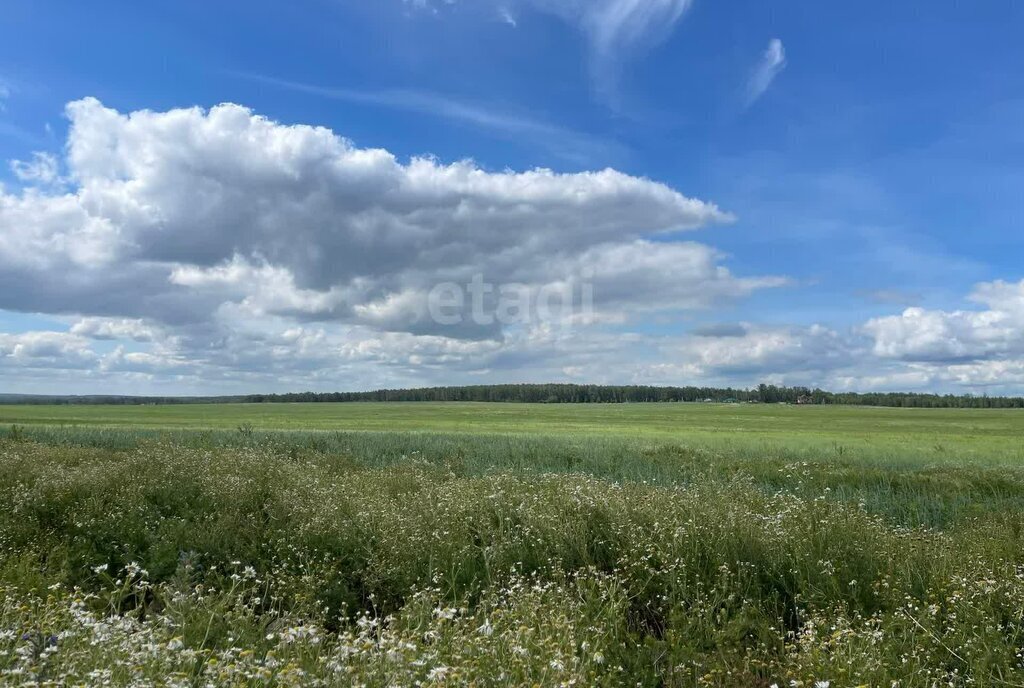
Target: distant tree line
{"x": 569, "y": 394}
{"x": 615, "y": 394}
{"x": 543, "y": 393}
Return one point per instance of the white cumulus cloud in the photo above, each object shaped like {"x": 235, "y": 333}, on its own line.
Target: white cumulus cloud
{"x": 43, "y": 168}
{"x": 918, "y": 334}
{"x": 230, "y": 246}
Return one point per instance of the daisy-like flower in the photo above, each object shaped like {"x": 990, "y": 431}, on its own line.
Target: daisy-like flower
{"x": 438, "y": 673}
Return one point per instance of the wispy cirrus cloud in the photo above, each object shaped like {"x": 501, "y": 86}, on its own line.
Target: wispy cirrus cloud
{"x": 616, "y": 31}
{"x": 506, "y": 15}
{"x": 773, "y": 61}
{"x": 567, "y": 143}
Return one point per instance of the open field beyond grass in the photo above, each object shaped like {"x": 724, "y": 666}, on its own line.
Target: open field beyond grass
{"x": 975, "y": 434}
{"x": 504, "y": 544}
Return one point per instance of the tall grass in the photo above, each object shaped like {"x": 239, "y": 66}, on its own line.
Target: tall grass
{"x": 930, "y": 487}
{"x": 383, "y": 560}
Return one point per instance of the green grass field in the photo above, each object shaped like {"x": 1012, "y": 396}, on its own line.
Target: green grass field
{"x": 509, "y": 544}
{"x": 976, "y": 434}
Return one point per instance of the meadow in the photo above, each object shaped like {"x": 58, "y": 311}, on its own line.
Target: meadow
{"x": 511, "y": 544}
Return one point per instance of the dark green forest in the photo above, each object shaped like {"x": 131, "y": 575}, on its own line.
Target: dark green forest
{"x": 617, "y": 394}
{"x": 569, "y": 394}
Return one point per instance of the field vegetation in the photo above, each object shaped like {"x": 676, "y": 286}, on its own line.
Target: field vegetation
{"x": 652, "y": 545}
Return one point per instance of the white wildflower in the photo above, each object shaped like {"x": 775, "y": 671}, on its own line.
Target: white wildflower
{"x": 447, "y": 613}
{"x": 438, "y": 673}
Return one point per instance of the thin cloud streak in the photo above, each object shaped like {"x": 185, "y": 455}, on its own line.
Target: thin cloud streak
{"x": 772, "y": 63}
{"x": 566, "y": 143}
{"x": 506, "y": 16}
{"x": 618, "y": 28}
{"x": 616, "y": 31}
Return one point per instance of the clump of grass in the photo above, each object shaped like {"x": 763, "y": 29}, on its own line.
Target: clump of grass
{"x": 16, "y": 433}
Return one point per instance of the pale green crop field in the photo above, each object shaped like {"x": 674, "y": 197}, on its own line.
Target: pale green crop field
{"x": 631, "y": 419}
{"x": 942, "y": 434}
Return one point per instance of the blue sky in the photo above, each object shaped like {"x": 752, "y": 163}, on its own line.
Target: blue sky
{"x": 869, "y": 156}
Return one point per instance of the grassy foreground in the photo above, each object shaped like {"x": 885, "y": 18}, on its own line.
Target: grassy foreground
{"x": 246, "y": 556}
